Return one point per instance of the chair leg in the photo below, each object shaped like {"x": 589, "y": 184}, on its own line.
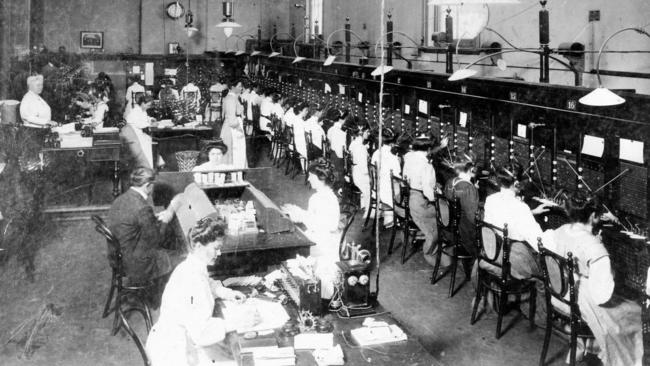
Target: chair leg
{"x": 532, "y": 307}
{"x": 477, "y": 300}
{"x": 406, "y": 239}
{"x": 436, "y": 267}
{"x": 109, "y": 300}
{"x": 369, "y": 213}
{"x": 503, "y": 299}
{"x": 547, "y": 339}
{"x": 392, "y": 239}
{"x": 452, "y": 280}
{"x": 136, "y": 339}
{"x": 573, "y": 344}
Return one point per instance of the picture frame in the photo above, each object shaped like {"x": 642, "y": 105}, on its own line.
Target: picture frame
{"x": 90, "y": 39}
{"x": 172, "y": 48}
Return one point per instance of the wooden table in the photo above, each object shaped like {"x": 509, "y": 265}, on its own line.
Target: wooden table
{"x": 106, "y": 152}
{"x": 409, "y": 352}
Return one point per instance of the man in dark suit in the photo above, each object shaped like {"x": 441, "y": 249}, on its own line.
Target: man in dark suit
{"x": 140, "y": 232}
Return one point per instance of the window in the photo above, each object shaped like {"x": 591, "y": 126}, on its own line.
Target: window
{"x": 315, "y": 11}
{"x": 468, "y": 21}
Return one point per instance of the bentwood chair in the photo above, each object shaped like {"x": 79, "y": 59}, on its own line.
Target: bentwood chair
{"x": 125, "y": 298}
{"x": 494, "y": 273}
{"x": 448, "y": 214}
{"x": 215, "y": 106}
{"x": 375, "y": 203}
{"x": 558, "y": 278}
{"x": 402, "y": 216}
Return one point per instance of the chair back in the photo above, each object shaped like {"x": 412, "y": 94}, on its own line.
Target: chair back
{"x": 558, "y": 276}
{"x": 401, "y": 195}
{"x": 189, "y": 95}
{"x": 347, "y": 164}
{"x": 114, "y": 248}
{"x": 492, "y": 241}
{"x": 134, "y": 97}
{"x": 215, "y": 98}
{"x": 447, "y": 213}
{"x": 348, "y": 212}
{"x": 372, "y": 174}
{"x": 309, "y": 141}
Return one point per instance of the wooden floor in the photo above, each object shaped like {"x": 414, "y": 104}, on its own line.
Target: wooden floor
{"x": 71, "y": 272}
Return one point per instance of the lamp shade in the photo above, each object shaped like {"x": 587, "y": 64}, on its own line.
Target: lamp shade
{"x": 329, "y": 60}
{"x": 273, "y": 54}
{"x": 239, "y": 53}
{"x": 298, "y": 59}
{"x": 462, "y": 74}
{"x": 255, "y": 53}
{"x": 382, "y": 69}
{"x": 228, "y": 26}
{"x": 601, "y": 97}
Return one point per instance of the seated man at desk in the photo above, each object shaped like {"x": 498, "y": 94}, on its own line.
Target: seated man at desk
{"x": 216, "y": 152}
{"x": 140, "y": 232}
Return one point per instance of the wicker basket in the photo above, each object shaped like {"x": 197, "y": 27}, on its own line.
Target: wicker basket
{"x": 186, "y": 160}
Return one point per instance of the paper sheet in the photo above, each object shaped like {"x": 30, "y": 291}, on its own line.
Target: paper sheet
{"x": 631, "y": 150}
{"x": 328, "y": 88}
{"x": 360, "y": 97}
{"x": 592, "y": 145}
{"x": 407, "y": 109}
{"x": 270, "y": 314}
{"x": 521, "y": 130}
{"x": 423, "y": 106}
{"x": 462, "y": 119}
{"x": 341, "y": 89}
{"x": 136, "y": 69}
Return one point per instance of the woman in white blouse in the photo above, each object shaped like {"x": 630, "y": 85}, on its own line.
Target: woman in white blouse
{"x": 421, "y": 177}
{"x": 100, "y": 109}
{"x": 139, "y": 143}
{"x": 322, "y": 222}
{"x": 505, "y": 207}
{"x": 216, "y": 153}
{"x": 34, "y": 110}
{"x": 359, "y": 153}
{"x": 615, "y": 322}
{"x": 134, "y": 88}
{"x": 390, "y": 165}
{"x": 186, "y": 328}
{"x": 312, "y": 126}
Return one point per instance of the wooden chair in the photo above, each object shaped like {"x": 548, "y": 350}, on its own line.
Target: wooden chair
{"x": 374, "y": 197}
{"x": 492, "y": 242}
{"x": 349, "y": 211}
{"x": 558, "y": 278}
{"x": 120, "y": 292}
{"x": 448, "y": 214}
{"x": 402, "y": 215}
{"x": 215, "y": 106}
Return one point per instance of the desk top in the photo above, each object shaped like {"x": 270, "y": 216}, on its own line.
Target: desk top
{"x": 105, "y": 145}
{"x": 409, "y": 352}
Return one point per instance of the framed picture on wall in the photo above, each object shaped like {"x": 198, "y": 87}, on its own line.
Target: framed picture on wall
{"x": 92, "y": 39}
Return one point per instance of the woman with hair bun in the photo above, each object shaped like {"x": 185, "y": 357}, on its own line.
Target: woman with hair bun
{"x": 461, "y": 187}
{"x": 615, "y": 322}
{"x": 186, "y": 327}
{"x": 322, "y": 222}
{"x": 390, "y": 165}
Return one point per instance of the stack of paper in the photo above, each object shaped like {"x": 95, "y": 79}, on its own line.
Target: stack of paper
{"x": 367, "y": 336}
{"x": 242, "y": 281}
{"x": 313, "y": 341}
{"x": 284, "y": 356}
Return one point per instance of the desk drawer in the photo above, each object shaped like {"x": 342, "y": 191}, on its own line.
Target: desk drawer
{"x": 104, "y": 154}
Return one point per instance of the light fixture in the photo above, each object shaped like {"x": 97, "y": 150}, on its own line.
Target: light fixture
{"x": 330, "y": 60}
{"x": 601, "y": 96}
{"x": 189, "y": 21}
{"x": 274, "y": 54}
{"x": 381, "y": 70}
{"x": 228, "y": 23}
{"x": 298, "y": 59}
{"x": 239, "y": 53}
{"x": 255, "y": 53}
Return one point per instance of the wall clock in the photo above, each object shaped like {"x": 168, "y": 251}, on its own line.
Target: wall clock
{"x": 175, "y": 10}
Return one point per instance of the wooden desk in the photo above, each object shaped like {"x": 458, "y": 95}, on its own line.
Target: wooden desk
{"x": 409, "y": 352}
{"x": 245, "y": 253}
{"x": 106, "y": 152}
{"x": 170, "y": 140}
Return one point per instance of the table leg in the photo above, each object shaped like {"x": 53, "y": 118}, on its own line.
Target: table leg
{"x": 116, "y": 179}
